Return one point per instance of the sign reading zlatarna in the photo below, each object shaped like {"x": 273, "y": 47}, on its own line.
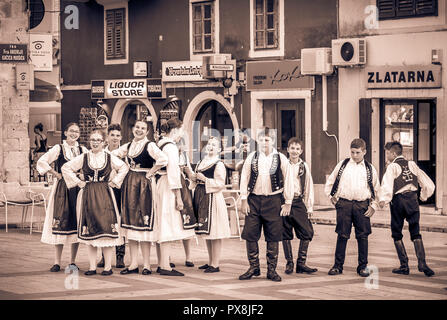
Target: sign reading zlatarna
{"x": 428, "y": 76}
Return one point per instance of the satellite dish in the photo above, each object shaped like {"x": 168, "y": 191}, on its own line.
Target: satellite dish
{"x": 347, "y": 51}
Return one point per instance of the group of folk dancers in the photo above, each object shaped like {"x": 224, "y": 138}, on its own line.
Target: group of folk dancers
{"x": 146, "y": 192}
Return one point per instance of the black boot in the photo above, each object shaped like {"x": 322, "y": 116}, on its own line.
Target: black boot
{"x": 272, "y": 261}
{"x": 302, "y": 256}
{"x": 287, "y": 246}
{"x": 340, "y": 253}
{"x": 101, "y": 263}
{"x": 362, "y": 269}
{"x": 120, "y": 251}
{"x": 403, "y": 258}
{"x": 253, "y": 259}
{"x": 420, "y": 253}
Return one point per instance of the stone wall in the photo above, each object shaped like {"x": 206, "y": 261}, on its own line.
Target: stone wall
{"x": 14, "y": 105}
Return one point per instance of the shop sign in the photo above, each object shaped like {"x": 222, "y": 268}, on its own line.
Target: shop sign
{"x": 13, "y": 52}
{"x": 23, "y": 77}
{"x": 277, "y": 75}
{"x": 182, "y": 71}
{"x": 128, "y": 89}
{"x": 41, "y": 51}
{"x": 425, "y": 76}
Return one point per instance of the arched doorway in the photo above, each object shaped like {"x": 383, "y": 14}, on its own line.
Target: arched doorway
{"x": 126, "y": 112}
{"x": 213, "y": 116}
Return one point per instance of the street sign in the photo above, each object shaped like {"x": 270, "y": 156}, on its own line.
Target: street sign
{"x": 13, "y": 52}
{"x": 221, "y": 67}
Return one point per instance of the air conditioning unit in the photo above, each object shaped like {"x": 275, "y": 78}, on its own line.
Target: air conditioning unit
{"x": 213, "y": 66}
{"x": 316, "y": 61}
{"x": 348, "y": 52}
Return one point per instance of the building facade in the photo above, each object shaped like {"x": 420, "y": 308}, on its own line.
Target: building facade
{"x": 261, "y": 39}
{"x": 399, "y": 92}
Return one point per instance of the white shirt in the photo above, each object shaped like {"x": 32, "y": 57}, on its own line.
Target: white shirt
{"x": 263, "y": 184}
{"x": 172, "y": 168}
{"x": 309, "y": 184}
{"x": 136, "y": 147}
{"x": 353, "y": 183}
{"x": 44, "y": 163}
{"x": 394, "y": 170}
{"x": 96, "y": 161}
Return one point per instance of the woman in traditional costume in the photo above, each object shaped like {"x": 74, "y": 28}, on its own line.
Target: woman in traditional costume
{"x": 96, "y": 205}
{"x": 173, "y": 220}
{"x": 60, "y": 226}
{"x": 137, "y": 197}
{"x": 209, "y": 203}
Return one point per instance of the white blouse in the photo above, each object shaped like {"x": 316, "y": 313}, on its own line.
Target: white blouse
{"x": 136, "y": 147}
{"x": 96, "y": 161}
{"x": 44, "y": 163}
{"x": 172, "y": 168}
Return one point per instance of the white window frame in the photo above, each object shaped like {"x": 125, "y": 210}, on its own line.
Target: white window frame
{"x": 259, "y": 53}
{"x": 216, "y": 40}
{"x": 116, "y": 5}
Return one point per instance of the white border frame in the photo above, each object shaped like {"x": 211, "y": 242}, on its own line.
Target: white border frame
{"x": 199, "y": 56}
{"x": 116, "y": 5}
{"x": 268, "y": 52}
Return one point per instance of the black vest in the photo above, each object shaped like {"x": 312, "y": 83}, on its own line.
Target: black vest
{"x": 62, "y": 158}
{"x": 276, "y": 177}
{"x": 406, "y": 177}
{"x": 96, "y": 175}
{"x": 208, "y": 172}
{"x": 369, "y": 174}
{"x": 302, "y": 177}
{"x": 142, "y": 160}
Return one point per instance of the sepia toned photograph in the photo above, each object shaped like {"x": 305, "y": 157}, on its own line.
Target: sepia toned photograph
{"x": 230, "y": 154}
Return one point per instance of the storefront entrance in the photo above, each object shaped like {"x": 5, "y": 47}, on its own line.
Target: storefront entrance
{"x": 212, "y": 115}
{"x": 413, "y": 124}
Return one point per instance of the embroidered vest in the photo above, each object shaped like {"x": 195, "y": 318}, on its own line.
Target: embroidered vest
{"x": 368, "y": 178}
{"x": 96, "y": 175}
{"x": 302, "y": 177}
{"x": 62, "y": 158}
{"x": 207, "y": 172}
{"x": 406, "y": 177}
{"x": 276, "y": 177}
{"x": 141, "y": 160}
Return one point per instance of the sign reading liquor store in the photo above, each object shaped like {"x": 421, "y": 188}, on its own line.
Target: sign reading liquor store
{"x": 426, "y": 76}
{"x": 128, "y": 89}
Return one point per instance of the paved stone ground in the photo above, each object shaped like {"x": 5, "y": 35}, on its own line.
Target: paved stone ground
{"x": 25, "y": 263}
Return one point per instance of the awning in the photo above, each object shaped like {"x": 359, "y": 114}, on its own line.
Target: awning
{"x": 45, "y": 91}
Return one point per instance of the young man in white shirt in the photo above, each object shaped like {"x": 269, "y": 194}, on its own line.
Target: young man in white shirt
{"x": 353, "y": 188}
{"x": 113, "y": 142}
{"x": 265, "y": 181}
{"x": 302, "y": 208}
{"x": 399, "y": 188}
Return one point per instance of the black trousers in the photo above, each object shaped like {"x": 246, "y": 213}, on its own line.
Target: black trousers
{"x": 264, "y": 213}
{"x": 298, "y": 220}
{"x": 405, "y": 206}
{"x": 349, "y": 213}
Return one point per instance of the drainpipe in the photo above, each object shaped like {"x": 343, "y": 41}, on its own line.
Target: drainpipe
{"x": 325, "y": 122}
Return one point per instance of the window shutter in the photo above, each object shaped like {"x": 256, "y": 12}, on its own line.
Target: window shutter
{"x": 120, "y": 40}
{"x": 110, "y": 22}
{"x": 426, "y": 7}
{"x": 405, "y": 8}
{"x": 387, "y": 8}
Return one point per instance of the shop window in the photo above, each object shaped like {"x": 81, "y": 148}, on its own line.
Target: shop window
{"x": 115, "y": 35}
{"x": 396, "y": 9}
{"x": 203, "y": 27}
{"x": 399, "y": 124}
{"x": 265, "y": 24}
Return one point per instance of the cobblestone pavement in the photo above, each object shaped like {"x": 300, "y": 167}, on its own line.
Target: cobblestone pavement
{"x": 25, "y": 263}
